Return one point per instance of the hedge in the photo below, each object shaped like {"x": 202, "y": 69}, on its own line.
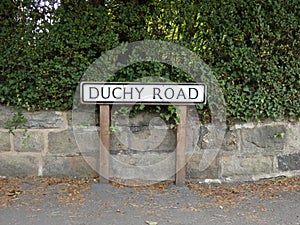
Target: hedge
{"x": 253, "y": 48}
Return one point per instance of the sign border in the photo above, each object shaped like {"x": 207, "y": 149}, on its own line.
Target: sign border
{"x": 141, "y": 102}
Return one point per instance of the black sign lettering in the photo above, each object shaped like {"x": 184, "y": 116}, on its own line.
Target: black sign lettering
{"x": 181, "y": 93}
{"x": 171, "y": 93}
{"x": 191, "y": 96}
{"x": 92, "y": 93}
{"x": 113, "y": 93}
{"x": 139, "y": 91}
{"x": 102, "y": 92}
{"x": 156, "y": 91}
{"x": 128, "y": 93}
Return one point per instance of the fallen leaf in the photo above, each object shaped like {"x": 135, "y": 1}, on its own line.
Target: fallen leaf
{"x": 151, "y": 223}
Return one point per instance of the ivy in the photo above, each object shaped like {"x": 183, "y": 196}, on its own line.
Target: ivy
{"x": 252, "y": 47}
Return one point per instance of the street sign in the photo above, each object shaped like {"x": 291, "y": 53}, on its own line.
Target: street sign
{"x": 181, "y": 94}
{"x": 148, "y": 93}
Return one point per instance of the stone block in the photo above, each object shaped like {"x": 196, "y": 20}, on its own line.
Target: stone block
{"x": 293, "y": 139}
{"x": 18, "y": 165}
{"x": 195, "y": 130}
{"x": 192, "y": 138}
{"x": 144, "y": 166}
{"x": 289, "y": 162}
{"x": 140, "y": 119}
{"x": 265, "y": 140}
{"x": 158, "y": 139}
{"x": 118, "y": 143}
{"x": 143, "y": 139}
{"x": 85, "y": 117}
{"x": 4, "y": 141}
{"x": 6, "y": 113}
{"x": 203, "y": 133}
{"x": 239, "y": 166}
{"x": 75, "y": 166}
{"x": 30, "y": 141}
{"x": 87, "y": 140}
{"x": 62, "y": 143}
{"x": 211, "y": 136}
{"x": 231, "y": 141}
{"x": 69, "y": 142}
{"x": 201, "y": 166}
{"x": 38, "y": 119}
{"x": 45, "y": 119}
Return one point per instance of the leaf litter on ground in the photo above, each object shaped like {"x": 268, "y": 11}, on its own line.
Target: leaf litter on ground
{"x": 63, "y": 189}
{"x": 70, "y": 190}
{"x": 231, "y": 193}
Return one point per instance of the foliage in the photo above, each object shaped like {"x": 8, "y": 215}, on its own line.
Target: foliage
{"x": 255, "y": 55}
{"x": 17, "y": 122}
{"x": 253, "y": 48}
{"x": 43, "y": 60}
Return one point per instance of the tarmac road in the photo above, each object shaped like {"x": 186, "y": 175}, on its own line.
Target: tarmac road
{"x": 107, "y": 205}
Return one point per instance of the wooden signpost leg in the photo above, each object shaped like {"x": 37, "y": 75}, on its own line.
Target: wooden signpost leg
{"x": 104, "y": 144}
{"x": 181, "y": 148}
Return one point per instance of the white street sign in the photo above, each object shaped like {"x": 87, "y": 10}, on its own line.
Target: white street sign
{"x": 148, "y": 93}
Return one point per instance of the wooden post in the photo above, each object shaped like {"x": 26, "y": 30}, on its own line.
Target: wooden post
{"x": 104, "y": 144}
{"x": 181, "y": 148}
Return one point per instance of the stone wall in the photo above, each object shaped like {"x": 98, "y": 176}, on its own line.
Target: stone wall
{"x": 144, "y": 148}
